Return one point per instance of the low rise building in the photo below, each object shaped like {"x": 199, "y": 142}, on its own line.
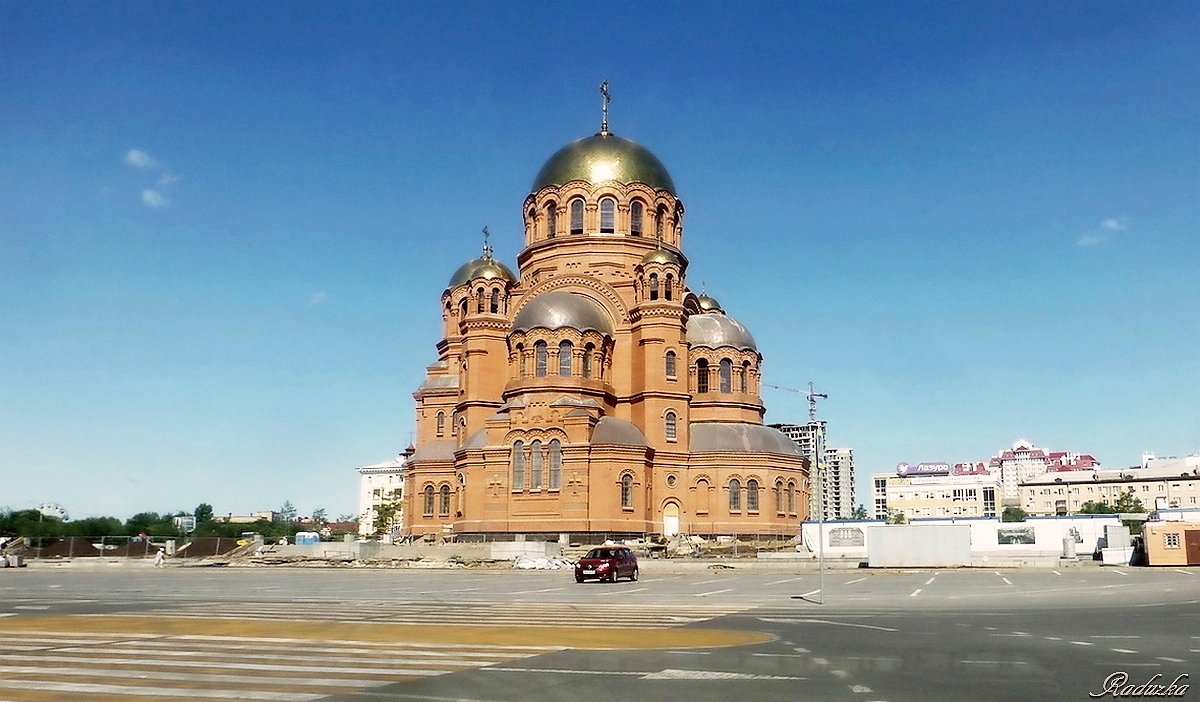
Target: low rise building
{"x": 381, "y": 484}
{"x": 1167, "y": 485}
{"x": 936, "y": 490}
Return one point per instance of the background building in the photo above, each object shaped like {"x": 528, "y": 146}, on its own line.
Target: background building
{"x": 837, "y": 502}
{"x": 1024, "y": 461}
{"x": 1163, "y": 486}
{"x": 380, "y": 484}
{"x": 590, "y": 392}
{"x": 936, "y": 490}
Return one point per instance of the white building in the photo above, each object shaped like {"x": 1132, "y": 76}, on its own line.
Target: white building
{"x": 936, "y": 490}
{"x": 1024, "y": 462}
{"x": 380, "y": 484}
{"x": 1167, "y": 484}
{"x": 837, "y": 500}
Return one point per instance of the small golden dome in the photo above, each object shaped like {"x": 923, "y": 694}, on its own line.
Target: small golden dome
{"x": 707, "y": 303}
{"x": 485, "y": 267}
{"x": 602, "y": 158}
{"x": 662, "y": 256}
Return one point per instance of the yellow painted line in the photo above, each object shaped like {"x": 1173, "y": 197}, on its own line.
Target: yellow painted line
{"x": 611, "y": 637}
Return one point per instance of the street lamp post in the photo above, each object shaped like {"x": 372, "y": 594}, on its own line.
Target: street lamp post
{"x": 819, "y": 450}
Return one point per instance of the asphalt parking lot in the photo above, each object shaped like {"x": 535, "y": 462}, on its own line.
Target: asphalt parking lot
{"x": 133, "y": 632}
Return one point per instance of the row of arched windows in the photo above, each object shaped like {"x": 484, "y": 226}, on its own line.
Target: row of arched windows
{"x": 544, "y": 468}
{"x": 608, "y": 217}
{"x": 493, "y": 301}
{"x": 564, "y": 363}
{"x": 725, "y": 376}
{"x": 668, "y": 287}
{"x": 439, "y": 498}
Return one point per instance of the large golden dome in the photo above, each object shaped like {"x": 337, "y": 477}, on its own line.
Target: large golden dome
{"x": 602, "y": 158}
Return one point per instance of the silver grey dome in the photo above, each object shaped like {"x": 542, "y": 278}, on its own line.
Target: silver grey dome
{"x": 610, "y": 430}
{"x": 715, "y": 330}
{"x": 739, "y": 437}
{"x": 557, "y": 310}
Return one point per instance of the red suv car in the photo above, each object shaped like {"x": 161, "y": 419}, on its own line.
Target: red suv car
{"x": 607, "y": 563}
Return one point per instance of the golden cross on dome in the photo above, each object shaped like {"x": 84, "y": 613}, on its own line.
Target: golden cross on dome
{"x": 606, "y": 98}
{"x": 487, "y": 248}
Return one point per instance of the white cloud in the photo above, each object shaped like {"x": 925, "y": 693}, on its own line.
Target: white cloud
{"x": 153, "y": 198}
{"x": 139, "y": 159}
{"x": 317, "y": 298}
{"x": 1089, "y": 240}
{"x": 1113, "y": 225}
{"x": 168, "y": 179}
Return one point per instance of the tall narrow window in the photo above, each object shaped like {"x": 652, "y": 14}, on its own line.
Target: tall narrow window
{"x": 520, "y": 361}
{"x": 636, "y": 211}
{"x": 608, "y": 215}
{"x": 587, "y": 360}
{"x": 577, "y": 216}
{"x": 495, "y": 307}
{"x": 659, "y": 220}
{"x": 702, "y": 375}
{"x": 518, "y": 466}
{"x": 745, "y": 376}
{"x": 565, "y": 351}
{"x": 539, "y": 359}
{"x": 726, "y": 373}
{"x": 653, "y": 286}
{"x": 791, "y": 497}
{"x": 670, "y": 364}
{"x": 670, "y": 426}
{"x": 441, "y": 423}
{"x": 627, "y": 491}
{"x": 444, "y": 503}
{"x": 555, "y": 464}
{"x": 428, "y": 500}
{"x": 735, "y": 495}
{"x": 462, "y": 308}
{"x": 479, "y": 300}
{"x": 752, "y": 495}
{"x": 535, "y": 465}
{"x": 668, "y": 287}
{"x": 779, "y": 496}
{"x": 551, "y": 220}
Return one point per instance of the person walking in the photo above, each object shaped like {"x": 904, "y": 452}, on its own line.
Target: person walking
{"x": 160, "y": 559}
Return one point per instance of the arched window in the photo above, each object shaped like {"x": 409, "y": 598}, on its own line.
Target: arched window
{"x": 565, "y": 350}
{"x": 441, "y": 423}
{"x": 702, "y": 375}
{"x": 462, "y": 308}
{"x": 428, "y": 500}
{"x": 653, "y": 286}
{"x": 636, "y": 210}
{"x": 703, "y": 496}
{"x": 791, "y": 497}
{"x": 444, "y": 503}
{"x": 726, "y": 373}
{"x": 587, "y": 360}
{"x": 495, "y": 307}
{"x": 735, "y": 495}
{"x": 745, "y": 377}
{"x": 608, "y": 215}
{"x": 518, "y": 466}
{"x": 751, "y": 495}
{"x": 555, "y": 464}
{"x": 670, "y": 364}
{"x": 551, "y": 220}
{"x": 627, "y": 491}
{"x": 535, "y": 465}
{"x": 577, "y": 216}
{"x": 668, "y": 285}
{"x": 479, "y": 300}
{"x": 659, "y": 220}
{"x": 520, "y": 360}
{"x": 779, "y": 496}
{"x": 539, "y": 359}
{"x": 670, "y": 426}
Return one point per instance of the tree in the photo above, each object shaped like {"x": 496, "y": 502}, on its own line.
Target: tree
{"x": 288, "y": 511}
{"x": 895, "y": 516}
{"x": 318, "y": 515}
{"x": 203, "y": 512}
{"x": 386, "y": 515}
{"x": 1013, "y": 514}
{"x": 1090, "y": 507}
{"x": 859, "y": 512}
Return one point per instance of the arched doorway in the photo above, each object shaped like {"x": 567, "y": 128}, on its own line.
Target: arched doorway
{"x": 670, "y": 518}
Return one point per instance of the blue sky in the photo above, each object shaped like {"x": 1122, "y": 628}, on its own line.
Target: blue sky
{"x": 225, "y": 227}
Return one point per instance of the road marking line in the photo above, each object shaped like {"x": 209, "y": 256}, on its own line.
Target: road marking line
{"x": 1120, "y": 572}
{"x": 1006, "y": 581}
{"x": 785, "y": 580}
{"x": 1053, "y": 638}
{"x": 820, "y": 661}
{"x": 801, "y": 650}
{"x": 783, "y": 620}
{"x": 714, "y": 592}
{"x": 930, "y": 580}
{"x": 1171, "y": 660}
{"x": 1121, "y": 650}
{"x": 129, "y": 690}
{"x": 857, "y": 580}
{"x": 860, "y": 689}
{"x": 1115, "y": 636}
{"x": 1056, "y": 572}
{"x": 811, "y": 592}
{"x": 780, "y": 655}
{"x": 1185, "y": 572}
{"x": 38, "y": 608}
{"x": 706, "y": 582}
{"x": 839, "y": 674}
{"x": 1083, "y": 643}
{"x": 915, "y": 592}
{"x": 995, "y": 662}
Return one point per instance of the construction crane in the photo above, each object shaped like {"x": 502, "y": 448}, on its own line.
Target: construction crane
{"x": 811, "y": 394}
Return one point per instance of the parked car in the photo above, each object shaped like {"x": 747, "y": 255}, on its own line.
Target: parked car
{"x": 607, "y": 563}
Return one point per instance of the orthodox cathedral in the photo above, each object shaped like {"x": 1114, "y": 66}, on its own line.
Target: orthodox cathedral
{"x": 591, "y": 392}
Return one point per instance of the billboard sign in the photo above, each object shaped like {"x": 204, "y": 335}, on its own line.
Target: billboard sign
{"x": 907, "y": 469}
